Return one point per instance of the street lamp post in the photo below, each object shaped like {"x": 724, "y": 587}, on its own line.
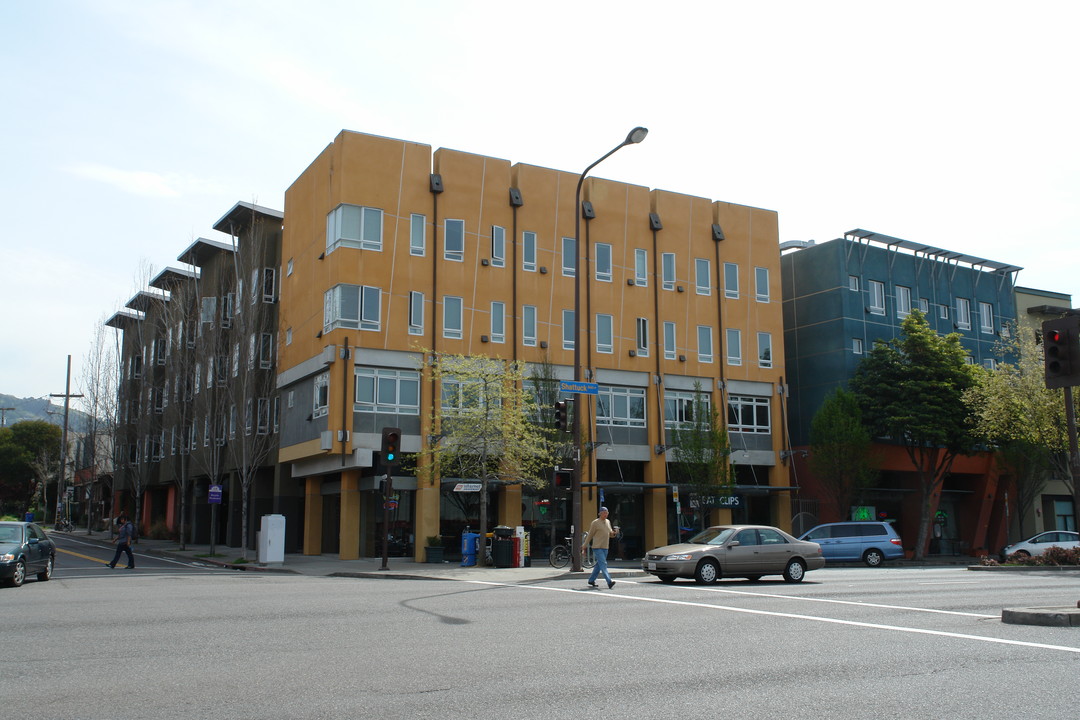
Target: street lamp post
{"x": 635, "y": 136}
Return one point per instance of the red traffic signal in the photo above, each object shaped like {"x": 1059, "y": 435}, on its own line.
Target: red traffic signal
{"x": 1061, "y": 351}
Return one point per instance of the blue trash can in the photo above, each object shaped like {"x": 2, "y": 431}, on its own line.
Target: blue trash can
{"x": 469, "y": 542}
{"x": 29, "y": 517}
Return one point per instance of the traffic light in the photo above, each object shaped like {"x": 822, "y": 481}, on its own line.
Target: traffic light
{"x": 1061, "y": 351}
{"x": 391, "y": 448}
{"x": 560, "y": 415}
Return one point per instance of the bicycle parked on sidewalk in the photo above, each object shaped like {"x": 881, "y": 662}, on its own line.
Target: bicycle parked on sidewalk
{"x": 64, "y": 525}
{"x": 560, "y": 554}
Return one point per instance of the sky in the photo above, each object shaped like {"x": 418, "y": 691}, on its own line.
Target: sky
{"x": 131, "y": 126}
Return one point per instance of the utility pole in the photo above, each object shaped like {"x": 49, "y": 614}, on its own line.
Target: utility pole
{"x": 67, "y": 395}
{"x": 3, "y": 416}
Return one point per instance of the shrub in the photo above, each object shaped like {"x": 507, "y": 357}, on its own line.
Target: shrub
{"x": 1060, "y": 556}
{"x": 160, "y": 531}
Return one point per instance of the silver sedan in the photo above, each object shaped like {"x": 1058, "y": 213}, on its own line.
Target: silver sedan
{"x": 748, "y": 551}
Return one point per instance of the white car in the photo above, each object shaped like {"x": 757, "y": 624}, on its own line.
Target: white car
{"x": 1037, "y": 545}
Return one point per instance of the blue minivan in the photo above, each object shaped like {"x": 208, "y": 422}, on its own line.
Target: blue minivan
{"x": 870, "y": 542}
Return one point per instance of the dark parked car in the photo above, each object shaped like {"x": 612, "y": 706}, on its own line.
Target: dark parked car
{"x": 25, "y": 548}
{"x": 747, "y": 551}
{"x": 872, "y": 542}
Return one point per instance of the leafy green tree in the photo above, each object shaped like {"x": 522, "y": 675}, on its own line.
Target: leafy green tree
{"x": 911, "y": 391}
{"x": 27, "y": 450}
{"x": 840, "y": 450}
{"x": 1016, "y": 412}
{"x": 702, "y": 449}
{"x": 485, "y": 427}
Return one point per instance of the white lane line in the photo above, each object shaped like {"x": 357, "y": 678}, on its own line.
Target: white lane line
{"x": 793, "y": 616}
{"x": 192, "y": 563}
{"x": 831, "y": 601}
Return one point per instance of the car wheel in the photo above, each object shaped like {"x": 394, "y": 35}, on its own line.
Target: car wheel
{"x": 873, "y": 557}
{"x": 795, "y": 571}
{"x": 20, "y": 573}
{"x": 1022, "y": 554}
{"x": 47, "y": 572}
{"x": 668, "y": 579}
{"x": 707, "y": 572}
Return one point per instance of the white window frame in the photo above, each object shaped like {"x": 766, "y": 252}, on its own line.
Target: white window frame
{"x": 731, "y": 280}
{"x": 364, "y": 311}
{"x": 386, "y": 391}
{"x": 703, "y": 276}
{"x": 733, "y": 346}
{"x": 857, "y": 346}
{"x": 620, "y": 406}
{"x": 963, "y": 313}
{"x": 454, "y": 245}
{"x": 903, "y": 301}
{"x": 761, "y": 285}
{"x": 679, "y": 408}
{"x": 667, "y": 271}
{"x": 369, "y": 224}
{"x": 670, "y": 338}
{"x": 418, "y": 234}
{"x": 642, "y": 333}
{"x": 568, "y": 329}
{"x": 924, "y": 306}
{"x": 569, "y": 257}
{"x": 853, "y": 283}
{"x": 705, "y": 344}
{"x": 528, "y": 325}
{"x": 528, "y": 251}
{"x": 416, "y": 312}
{"x": 498, "y": 246}
{"x": 745, "y": 414}
{"x": 605, "y": 334}
{"x": 764, "y": 353}
{"x": 877, "y": 296}
{"x": 321, "y": 400}
{"x": 641, "y": 267}
{"x": 453, "y": 317}
{"x": 498, "y": 321}
{"x": 986, "y": 319}
{"x": 603, "y": 262}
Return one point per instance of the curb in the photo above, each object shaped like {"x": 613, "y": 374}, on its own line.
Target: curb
{"x": 1044, "y": 616}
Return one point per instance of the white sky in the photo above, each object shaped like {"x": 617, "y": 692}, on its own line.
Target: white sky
{"x": 129, "y": 127}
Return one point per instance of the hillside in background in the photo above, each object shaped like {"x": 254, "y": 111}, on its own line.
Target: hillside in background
{"x": 41, "y": 409}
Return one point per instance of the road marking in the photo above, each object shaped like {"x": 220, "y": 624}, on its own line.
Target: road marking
{"x": 80, "y": 555}
{"x": 794, "y": 616}
{"x": 191, "y": 563}
{"x": 831, "y": 601}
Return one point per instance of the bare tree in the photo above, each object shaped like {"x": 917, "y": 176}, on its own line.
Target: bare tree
{"x": 98, "y": 386}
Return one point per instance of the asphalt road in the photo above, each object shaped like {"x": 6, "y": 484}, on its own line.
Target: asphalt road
{"x": 190, "y": 642}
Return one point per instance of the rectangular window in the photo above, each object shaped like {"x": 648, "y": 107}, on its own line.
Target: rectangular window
{"x": 761, "y": 284}
{"x": 528, "y": 325}
{"x": 604, "y": 332}
{"x": 209, "y": 310}
{"x": 528, "y": 251}
{"x": 986, "y": 318}
{"x": 603, "y": 262}
{"x": 764, "y": 349}
{"x": 963, "y": 313}
{"x": 289, "y": 268}
{"x": 643, "y": 337}
{"x": 903, "y": 301}
{"x": 266, "y": 350}
{"x": 247, "y": 419}
{"x": 452, "y": 317}
{"x": 620, "y": 406}
{"x": 354, "y": 226}
{"x": 498, "y": 246}
{"x": 877, "y": 297}
{"x": 734, "y": 346}
{"x": 454, "y": 241}
{"x": 321, "y": 404}
{"x": 731, "y": 281}
{"x": 269, "y": 284}
{"x": 924, "y": 305}
{"x": 568, "y": 329}
{"x": 417, "y": 234}
{"x": 683, "y": 409}
{"x": 749, "y": 414}
{"x": 227, "y": 302}
{"x": 262, "y": 411}
{"x": 498, "y": 322}
{"x": 416, "y": 313}
{"x": 394, "y": 392}
{"x": 569, "y": 257}
{"x": 703, "y": 276}
{"x": 667, "y": 270}
{"x": 669, "y": 341}
{"x": 641, "y": 267}
{"x": 353, "y": 307}
{"x": 857, "y": 346}
{"x": 853, "y": 283}
{"x": 704, "y": 342}
{"x": 288, "y": 336}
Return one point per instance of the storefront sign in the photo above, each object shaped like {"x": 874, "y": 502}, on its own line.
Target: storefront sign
{"x": 467, "y": 487}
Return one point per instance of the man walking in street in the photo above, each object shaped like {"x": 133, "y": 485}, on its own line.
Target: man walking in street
{"x": 599, "y": 536}
{"x": 123, "y": 542}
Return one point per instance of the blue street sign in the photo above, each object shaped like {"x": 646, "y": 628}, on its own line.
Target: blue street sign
{"x": 214, "y": 496}
{"x": 581, "y": 388}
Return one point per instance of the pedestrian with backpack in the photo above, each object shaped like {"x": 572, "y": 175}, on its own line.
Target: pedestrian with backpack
{"x": 124, "y": 540}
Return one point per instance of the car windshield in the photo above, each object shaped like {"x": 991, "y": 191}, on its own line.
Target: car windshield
{"x": 10, "y": 534}
{"x": 712, "y": 536}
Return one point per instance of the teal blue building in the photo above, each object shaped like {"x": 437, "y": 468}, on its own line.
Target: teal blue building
{"x": 841, "y": 296}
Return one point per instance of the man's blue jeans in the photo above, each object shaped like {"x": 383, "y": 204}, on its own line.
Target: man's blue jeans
{"x": 123, "y": 548}
{"x": 601, "y": 565}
